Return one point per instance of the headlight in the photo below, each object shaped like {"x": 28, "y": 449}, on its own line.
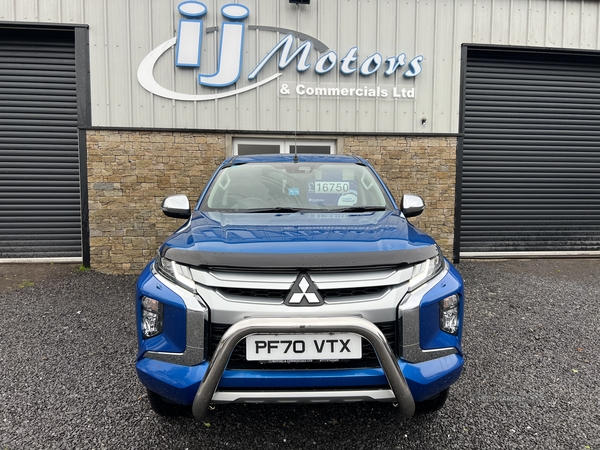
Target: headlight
{"x": 175, "y": 272}
{"x": 152, "y": 317}
{"x": 164, "y": 266}
{"x": 425, "y": 271}
{"x": 449, "y": 314}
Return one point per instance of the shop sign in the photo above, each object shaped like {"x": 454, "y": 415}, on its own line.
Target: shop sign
{"x": 188, "y": 47}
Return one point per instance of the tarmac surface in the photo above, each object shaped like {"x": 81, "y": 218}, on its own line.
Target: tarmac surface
{"x": 531, "y": 378}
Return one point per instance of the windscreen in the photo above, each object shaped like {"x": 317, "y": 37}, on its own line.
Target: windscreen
{"x": 260, "y": 187}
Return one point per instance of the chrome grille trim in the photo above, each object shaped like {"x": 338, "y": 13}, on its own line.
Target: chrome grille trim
{"x": 271, "y": 287}
{"x": 359, "y": 279}
{"x": 244, "y": 279}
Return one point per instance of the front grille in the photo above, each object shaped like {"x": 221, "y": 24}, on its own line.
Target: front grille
{"x": 352, "y": 292}
{"x": 272, "y": 287}
{"x": 327, "y": 294}
{"x": 238, "y": 357}
{"x": 253, "y": 293}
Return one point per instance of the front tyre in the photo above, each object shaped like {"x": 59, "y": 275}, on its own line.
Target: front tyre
{"x": 431, "y": 404}
{"x": 163, "y": 407}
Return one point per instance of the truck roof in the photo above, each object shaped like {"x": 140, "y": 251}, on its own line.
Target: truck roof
{"x": 289, "y": 157}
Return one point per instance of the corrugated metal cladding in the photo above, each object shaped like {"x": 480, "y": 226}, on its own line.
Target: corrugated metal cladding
{"x": 123, "y": 32}
{"x": 339, "y": 25}
{"x": 40, "y": 213}
{"x": 531, "y": 152}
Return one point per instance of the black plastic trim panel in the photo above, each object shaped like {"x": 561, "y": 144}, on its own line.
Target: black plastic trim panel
{"x": 299, "y": 260}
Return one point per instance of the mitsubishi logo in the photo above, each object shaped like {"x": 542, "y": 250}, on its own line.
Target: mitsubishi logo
{"x": 303, "y": 293}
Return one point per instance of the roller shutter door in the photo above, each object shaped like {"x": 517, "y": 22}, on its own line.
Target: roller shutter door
{"x": 530, "y": 176}
{"x": 40, "y": 201}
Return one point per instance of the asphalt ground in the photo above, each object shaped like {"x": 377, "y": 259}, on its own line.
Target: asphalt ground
{"x": 531, "y": 378}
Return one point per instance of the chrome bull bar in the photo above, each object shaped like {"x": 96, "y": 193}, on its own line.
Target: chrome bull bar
{"x": 277, "y": 325}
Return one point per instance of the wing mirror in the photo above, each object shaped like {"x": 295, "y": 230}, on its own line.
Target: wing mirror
{"x": 176, "y": 206}
{"x": 412, "y": 205}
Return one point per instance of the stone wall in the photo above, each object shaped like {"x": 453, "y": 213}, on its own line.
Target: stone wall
{"x": 131, "y": 172}
{"x": 425, "y": 166}
{"x": 129, "y": 175}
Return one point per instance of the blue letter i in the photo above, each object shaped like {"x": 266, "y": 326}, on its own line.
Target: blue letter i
{"x": 189, "y": 36}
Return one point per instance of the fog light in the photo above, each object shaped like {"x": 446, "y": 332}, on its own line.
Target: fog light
{"x": 449, "y": 314}
{"x": 152, "y": 317}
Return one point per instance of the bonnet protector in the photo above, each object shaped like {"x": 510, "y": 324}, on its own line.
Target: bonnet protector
{"x": 299, "y": 260}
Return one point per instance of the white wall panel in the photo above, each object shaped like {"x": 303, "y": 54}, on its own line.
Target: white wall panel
{"x": 163, "y": 29}
{"x": 572, "y": 33}
{"x": 250, "y": 107}
{"x": 265, "y": 98}
{"x": 537, "y": 23}
{"x": 348, "y": 21}
{"x": 7, "y": 10}
{"x": 328, "y": 31}
{"x": 50, "y": 11}
{"x": 72, "y": 11}
{"x": 425, "y": 44}
{"x": 140, "y": 40}
{"x": 226, "y": 109}
{"x": 123, "y": 32}
{"x": 501, "y": 17}
{"x": 289, "y": 118}
{"x": 26, "y": 11}
{"x": 482, "y": 21}
{"x": 388, "y": 26}
{"x": 119, "y": 63}
{"x": 441, "y": 115}
{"x": 99, "y": 67}
{"x": 406, "y": 42}
{"x": 519, "y": 22}
{"x": 184, "y": 113}
{"x": 367, "y": 45}
{"x": 462, "y": 33}
{"x": 307, "y": 21}
{"x": 589, "y": 25}
{"x": 555, "y": 25}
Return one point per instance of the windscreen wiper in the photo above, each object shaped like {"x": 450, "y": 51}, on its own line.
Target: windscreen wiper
{"x": 277, "y": 209}
{"x": 359, "y": 209}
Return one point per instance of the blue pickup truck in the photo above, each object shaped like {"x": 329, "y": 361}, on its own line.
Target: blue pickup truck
{"x": 297, "y": 278}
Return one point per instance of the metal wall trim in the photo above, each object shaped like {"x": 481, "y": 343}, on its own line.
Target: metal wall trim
{"x": 40, "y": 260}
{"x": 527, "y": 255}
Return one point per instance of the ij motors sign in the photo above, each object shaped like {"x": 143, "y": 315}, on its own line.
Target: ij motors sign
{"x": 188, "y": 48}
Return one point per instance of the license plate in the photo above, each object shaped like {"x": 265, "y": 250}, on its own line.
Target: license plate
{"x": 303, "y": 347}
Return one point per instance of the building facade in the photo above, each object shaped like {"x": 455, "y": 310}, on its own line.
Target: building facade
{"x": 487, "y": 109}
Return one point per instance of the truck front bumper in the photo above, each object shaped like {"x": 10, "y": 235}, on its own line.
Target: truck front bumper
{"x": 395, "y": 381}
